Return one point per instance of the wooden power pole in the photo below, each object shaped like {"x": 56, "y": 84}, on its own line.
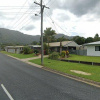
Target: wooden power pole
{"x": 42, "y": 9}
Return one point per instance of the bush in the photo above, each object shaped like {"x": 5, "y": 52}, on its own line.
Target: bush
{"x": 31, "y": 51}
{"x": 67, "y": 53}
{"x": 63, "y": 54}
{"x": 36, "y": 51}
{"x": 54, "y": 55}
{"x": 26, "y": 50}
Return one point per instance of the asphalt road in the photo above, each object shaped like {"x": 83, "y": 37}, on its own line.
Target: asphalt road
{"x": 26, "y": 82}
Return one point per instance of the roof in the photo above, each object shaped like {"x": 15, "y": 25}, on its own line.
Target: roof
{"x": 35, "y": 45}
{"x": 92, "y": 43}
{"x": 14, "y": 46}
{"x": 64, "y": 43}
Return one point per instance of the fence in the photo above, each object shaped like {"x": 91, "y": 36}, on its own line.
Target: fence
{"x": 81, "y": 52}
{"x": 78, "y": 52}
{"x": 82, "y": 62}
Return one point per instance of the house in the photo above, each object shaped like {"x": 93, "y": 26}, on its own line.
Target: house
{"x": 93, "y": 48}
{"x": 35, "y": 47}
{"x": 14, "y": 49}
{"x": 71, "y": 46}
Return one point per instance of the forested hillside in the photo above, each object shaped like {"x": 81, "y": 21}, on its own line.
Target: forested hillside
{"x": 15, "y": 37}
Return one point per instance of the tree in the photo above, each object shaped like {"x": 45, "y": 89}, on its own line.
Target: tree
{"x": 79, "y": 40}
{"x": 34, "y": 43}
{"x": 96, "y": 37}
{"x": 26, "y": 50}
{"x": 46, "y": 49}
{"x": 49, "y": 35}
{"x": 62, "y": 39}
{"x": 89, "y": 39}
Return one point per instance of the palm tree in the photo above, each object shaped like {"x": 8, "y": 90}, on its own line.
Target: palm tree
{"x": 49, "y": 35}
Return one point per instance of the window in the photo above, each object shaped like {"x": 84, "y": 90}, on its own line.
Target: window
{"x": 97, "y": 48}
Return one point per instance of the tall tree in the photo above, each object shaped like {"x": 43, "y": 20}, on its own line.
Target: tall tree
{"x": 49, "y": 35}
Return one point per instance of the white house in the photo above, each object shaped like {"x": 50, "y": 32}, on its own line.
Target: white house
{"x": 93, "y": 49}
{"x": 14, "y": 49}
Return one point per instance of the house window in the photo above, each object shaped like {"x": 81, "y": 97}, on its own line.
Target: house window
{"x": 97, "y": 48}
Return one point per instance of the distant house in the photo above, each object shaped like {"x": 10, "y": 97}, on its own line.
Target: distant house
{"x": 14, "y": 49}
{"x": 93, "y": 49}
{"x": 64, "y": 45}
{"x": 35, "y": 47}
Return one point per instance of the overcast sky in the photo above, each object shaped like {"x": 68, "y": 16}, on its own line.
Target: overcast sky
{"x": 70, "y": 17}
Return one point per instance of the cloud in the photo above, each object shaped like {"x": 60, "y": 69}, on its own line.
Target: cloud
{"x": 3, "y": 16}
{"x": 28, "y": 28}
{"x": 62, "y": 16}
{"x": 78, "y": 7}
{"x": 35, "y": 18}
{"x": 81, "y": 7}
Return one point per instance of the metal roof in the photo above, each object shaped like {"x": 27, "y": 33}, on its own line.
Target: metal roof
{"x": 14, "y": 46}
{"x": 92, "y": 43}
{"x": 35, "y": 45}
{"x": 64, "y": 44}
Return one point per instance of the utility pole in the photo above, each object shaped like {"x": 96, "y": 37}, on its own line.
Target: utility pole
{"x": 42, "y": 9}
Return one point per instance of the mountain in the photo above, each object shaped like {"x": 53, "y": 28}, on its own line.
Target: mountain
{"x": 15, "y": 37}
{"x": 61, "y": 35}
{"x": 11, "y": 36}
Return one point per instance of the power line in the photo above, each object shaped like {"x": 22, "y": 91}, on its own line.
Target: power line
{"x": 56, "y": 23}
{"x": 15, "y": 8}
{"x": 48, "y": 2}
{"x": 53, "y": 25}
{"x": 29, "y": 20}
{"x": 23, "y": 20}
{"x": 20, "y": 9}
{"x": 20, "y": 18}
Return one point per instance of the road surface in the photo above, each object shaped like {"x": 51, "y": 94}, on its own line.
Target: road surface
{"x": 26, "y": 82}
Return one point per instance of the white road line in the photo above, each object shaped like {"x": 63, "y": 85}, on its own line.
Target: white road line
{"x": 8, "y": 94}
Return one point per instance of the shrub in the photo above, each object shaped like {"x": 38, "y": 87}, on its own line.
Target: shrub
{"x": 63, "y": 54}
{"x": 26, "y": 50}
{"x": 31, "y": 51}
{"x": 67, "y": 53}
{"x": 36, "y": 51}
{"x": 54, "y": 55}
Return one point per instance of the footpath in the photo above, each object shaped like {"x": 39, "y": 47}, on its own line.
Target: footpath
{"x": 27, "y": 60}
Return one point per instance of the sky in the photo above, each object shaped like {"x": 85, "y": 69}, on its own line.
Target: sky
{"x": 69, "y": 17}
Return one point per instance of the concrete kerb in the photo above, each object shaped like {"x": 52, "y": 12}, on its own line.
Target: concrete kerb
{"x": 27, "y": 61}
{"x": 87, "y": 81}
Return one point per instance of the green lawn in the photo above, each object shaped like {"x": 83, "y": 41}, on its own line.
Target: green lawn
{"x": 84, "y": 58}
{"x": 21, "y": 56}
{"x": 67, "y": 66}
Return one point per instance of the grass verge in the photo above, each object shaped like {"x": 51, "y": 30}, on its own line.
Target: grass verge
{"x": 84, "y": 58}
{"x": 20, "y": 56}
{"x": 67, "y": 66}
